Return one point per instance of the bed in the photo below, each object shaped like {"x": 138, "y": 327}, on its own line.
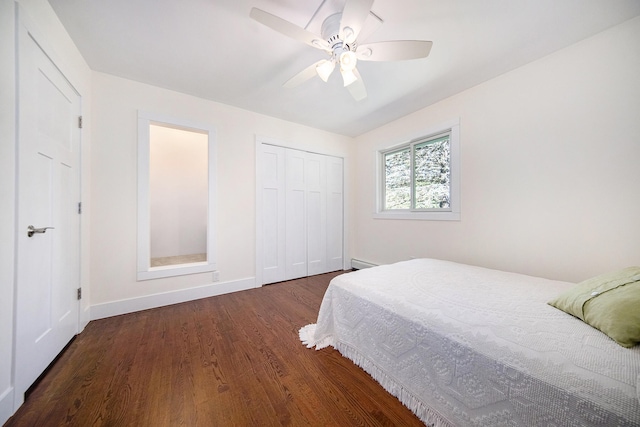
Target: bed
{"x": 467, "y": 346}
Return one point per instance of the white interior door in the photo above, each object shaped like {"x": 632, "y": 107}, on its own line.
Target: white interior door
{"x": 48, "y": 196}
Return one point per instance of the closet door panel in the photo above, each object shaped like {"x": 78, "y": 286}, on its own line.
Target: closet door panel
{"x": 296, "y": 221}
{"x": 316, "y": 213}
{"x": 274, "y": 221}
{"x": 335, "y": 213}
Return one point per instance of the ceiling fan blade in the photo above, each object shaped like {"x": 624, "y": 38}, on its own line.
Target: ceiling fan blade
{"x": 288, "y": 29}
{"x": 303, "y": 75}
{"x": 370, "y": 26}
{"x": 396, "y": 50}
{"x": 357, "y": 88}
{"x": 353, "y": 16}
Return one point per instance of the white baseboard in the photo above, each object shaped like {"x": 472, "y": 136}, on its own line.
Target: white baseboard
{"x": 6, "y": 405}
{"x": 359, "y": 264}
{"x": 115, "y": 308}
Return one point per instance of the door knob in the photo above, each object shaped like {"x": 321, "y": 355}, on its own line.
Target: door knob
{"x": 31, "y": 230}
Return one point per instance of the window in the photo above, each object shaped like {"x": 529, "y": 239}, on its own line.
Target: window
{"x": 419, "y": 179}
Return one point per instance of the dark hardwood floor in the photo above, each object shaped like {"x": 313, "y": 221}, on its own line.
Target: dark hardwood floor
{"x": 230, "y": 360}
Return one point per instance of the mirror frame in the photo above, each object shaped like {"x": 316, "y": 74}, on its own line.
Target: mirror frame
{"x": 144, "y": 269}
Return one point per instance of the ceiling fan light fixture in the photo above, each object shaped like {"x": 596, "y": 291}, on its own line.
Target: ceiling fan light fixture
{"x": 325, "y": 69}
{"x": 348, "y": 77}
{"x": 338, "y": 37}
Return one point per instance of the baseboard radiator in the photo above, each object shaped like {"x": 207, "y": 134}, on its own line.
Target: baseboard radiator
{"x": 357, "y": 264}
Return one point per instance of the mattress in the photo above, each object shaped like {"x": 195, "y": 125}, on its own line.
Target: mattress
{"x": 468, "y": 346}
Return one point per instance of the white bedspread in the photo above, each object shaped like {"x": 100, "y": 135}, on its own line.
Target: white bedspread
{"x": 467, "y": 346}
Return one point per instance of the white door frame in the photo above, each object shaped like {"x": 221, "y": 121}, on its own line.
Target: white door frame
{"x": 259, "y": 208}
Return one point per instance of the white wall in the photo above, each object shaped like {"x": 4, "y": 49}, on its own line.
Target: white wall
{"x": 550, "y": 180}
{"x": 550, "y": 177}
{"x": 113, "y": 189}
{"x": 58, "y": 45}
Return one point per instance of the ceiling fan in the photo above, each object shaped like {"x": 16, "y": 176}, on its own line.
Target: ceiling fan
{"x": 339, "y": 39}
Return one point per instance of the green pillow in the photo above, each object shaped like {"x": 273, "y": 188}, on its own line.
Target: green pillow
{"x": 609, "y": 302}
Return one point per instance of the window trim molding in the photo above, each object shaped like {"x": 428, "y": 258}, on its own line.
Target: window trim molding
{"x": 452, "y": 214}
{"x": 144, "y": 269}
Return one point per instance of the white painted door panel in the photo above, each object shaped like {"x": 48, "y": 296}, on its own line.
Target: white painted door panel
{"x": 48, "y": 194}
{"x": 273, "y": 206}
{"x": 316, "y": 213}
{"x": 335, "y": 213}
{"x": 296, "y": 223}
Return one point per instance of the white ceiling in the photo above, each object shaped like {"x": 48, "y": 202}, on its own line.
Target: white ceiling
{"x": 213, "y": 50}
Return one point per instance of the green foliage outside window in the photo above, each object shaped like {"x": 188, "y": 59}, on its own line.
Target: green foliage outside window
{"x": 431, "y": 176}
{"x": 398, "y": 180}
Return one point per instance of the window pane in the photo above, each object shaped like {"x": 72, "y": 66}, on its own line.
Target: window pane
{"x": 432, "y": 174}
{"x": 397, "y": 180}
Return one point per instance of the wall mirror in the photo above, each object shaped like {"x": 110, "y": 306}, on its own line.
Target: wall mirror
{"x": 176, "y": 197}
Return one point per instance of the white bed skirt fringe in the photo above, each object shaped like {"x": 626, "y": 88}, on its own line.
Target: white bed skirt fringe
{"x": 307, "y": 336}
{"x": 423, "y": 412}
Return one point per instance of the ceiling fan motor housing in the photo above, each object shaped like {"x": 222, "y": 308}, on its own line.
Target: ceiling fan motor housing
{"x": 331, "y": 28}
{"x": 330, "y": 32}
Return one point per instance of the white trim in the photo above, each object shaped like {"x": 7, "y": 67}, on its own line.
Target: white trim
{"x": 453, "y": 126}
{"x": 131, "y": 305}
{"x": 434, "y": 216}
{"x": 144, "y": 270}
{"x": 6, "y": 405}
{"x": 175, "y": 270}
{"x": 358, "y": 264}
{"x": 259, "y": 256}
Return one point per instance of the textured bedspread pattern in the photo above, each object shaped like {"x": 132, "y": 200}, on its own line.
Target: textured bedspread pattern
{"x": 467, "y": 346}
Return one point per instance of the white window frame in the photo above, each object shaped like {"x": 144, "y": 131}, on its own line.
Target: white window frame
{"x": 144, "y": 269}
{"x": 449, "y": 214}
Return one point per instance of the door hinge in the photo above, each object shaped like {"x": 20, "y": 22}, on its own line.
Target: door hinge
{"x": 79, "y": 293}
{"x": 79, "y": 207}
{"x": 80, "y": 122}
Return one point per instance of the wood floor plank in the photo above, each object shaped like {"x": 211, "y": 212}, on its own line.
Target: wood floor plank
{"x": 230, "y": 360}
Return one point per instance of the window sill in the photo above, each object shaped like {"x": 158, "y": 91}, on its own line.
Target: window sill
{"x": 175, "y": 270}
{"x": 421, "y": 216}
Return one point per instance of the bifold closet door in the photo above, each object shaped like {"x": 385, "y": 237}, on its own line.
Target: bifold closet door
{"x": 302, "y": 213}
